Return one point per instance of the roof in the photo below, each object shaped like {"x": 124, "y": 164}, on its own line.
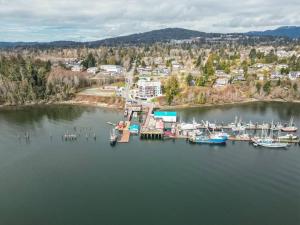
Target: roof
{"x": 162, "y": 114}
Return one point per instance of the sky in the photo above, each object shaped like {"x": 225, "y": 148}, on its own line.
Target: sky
{"x": 87, "y": 20}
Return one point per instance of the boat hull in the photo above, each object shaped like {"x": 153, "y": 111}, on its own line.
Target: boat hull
{"x": 204, "y": 140}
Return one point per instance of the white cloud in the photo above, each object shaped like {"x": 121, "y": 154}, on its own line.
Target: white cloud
{"x": 44, "y": 20}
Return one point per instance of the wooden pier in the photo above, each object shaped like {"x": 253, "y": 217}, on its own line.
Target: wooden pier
{"x": 125, "y": 136}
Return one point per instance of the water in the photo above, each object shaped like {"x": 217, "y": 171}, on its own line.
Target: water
{"x": 49, "y": 181}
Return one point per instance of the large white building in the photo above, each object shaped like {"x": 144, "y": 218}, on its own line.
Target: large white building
{"x": 112, "y": 68}
{"x": 148, "y": 89}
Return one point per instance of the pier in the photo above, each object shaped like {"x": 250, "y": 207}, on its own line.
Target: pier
{"x": 125, "y": 137}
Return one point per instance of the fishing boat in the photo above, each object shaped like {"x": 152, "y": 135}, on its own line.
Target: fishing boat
{"x": 276, "y": 127}
{"x": 269, "y": 143}
{"x": 190, "y": 126}
{"x": 222, "y": 134}
{"x": 237, "y": 126}
{"x": 211, "y": 138}
{"x": 288, "y": 137}
{"x": 251, "y": 126}
{"x": 290, "y": 127}
{"x": 113, "y": 137}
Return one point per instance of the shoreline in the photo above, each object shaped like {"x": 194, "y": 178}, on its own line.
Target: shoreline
{"x": 118, "y": 108}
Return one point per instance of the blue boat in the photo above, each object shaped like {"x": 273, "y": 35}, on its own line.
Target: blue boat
{"x": 210, "y": 139}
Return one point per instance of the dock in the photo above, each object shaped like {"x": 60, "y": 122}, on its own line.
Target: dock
{"x": 125, "y": 137}
{"x": 125, "y": 133}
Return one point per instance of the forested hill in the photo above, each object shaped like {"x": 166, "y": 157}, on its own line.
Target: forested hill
{"x": 286, "y": 31}
{"x": 162, "y": 35}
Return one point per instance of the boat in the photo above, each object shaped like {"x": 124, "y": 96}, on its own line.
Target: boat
{"x": 222, "y": 134}
{"x": 189, "y": 126}
{"x": 288, "y": 137}
{"x": 251, "y": 126}
{"x": 291, "y": 127}
{"x": 276, "y": 127}
{"x": 208, "y": 139}
{"x": 269, "y": 143}
{"x": 113, "y": 137}
{"x": 237, "y": 126}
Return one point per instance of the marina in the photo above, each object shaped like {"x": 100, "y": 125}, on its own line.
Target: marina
{"x": 154, "y": 124}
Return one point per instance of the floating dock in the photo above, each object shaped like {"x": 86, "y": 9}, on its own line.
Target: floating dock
{"x": 125, "y": 137}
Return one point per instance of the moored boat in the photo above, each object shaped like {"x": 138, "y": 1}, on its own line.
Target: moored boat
{"x": 288, "y": 137}
{"x": 269, "y": 143}
{"x": 290, "y": 127}
{"x": 113, "y": 137}
{"x": 208, "y": 139}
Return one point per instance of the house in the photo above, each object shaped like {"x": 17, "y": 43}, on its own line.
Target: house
{"x": 92, "y": 70}
{"x": 221, "y": 82}
{"x": 276, "y": 75}
{"x": 294, "y": 75}
{"x": 221, "y": 74}
{"x": 112, "y": 69}
{"x": 169, "y": 117}
{"x": 148, "y": 89}
{"x": 77, "y": 68}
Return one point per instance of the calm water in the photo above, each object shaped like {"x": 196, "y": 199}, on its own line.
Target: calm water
{"x": 49, "y": 182}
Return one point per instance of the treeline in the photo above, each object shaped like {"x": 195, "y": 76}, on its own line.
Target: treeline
{"x": 29, "y": 80}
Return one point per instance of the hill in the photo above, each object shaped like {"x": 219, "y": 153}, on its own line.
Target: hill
{"x": 286, "y": 31}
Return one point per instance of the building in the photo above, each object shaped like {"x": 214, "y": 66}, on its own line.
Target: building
{"x": 113, "y": 69}
{"x": 92, "y": 70}
{"x": 148, "y": 89}
{"x": 221, "y": 82}
{"x": 168, "y": 117}
{"x": 77, "y": 68}
{"x": 294, "y": 75}
{"x": 276, "y": 75}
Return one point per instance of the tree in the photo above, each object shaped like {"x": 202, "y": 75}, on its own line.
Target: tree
{"x": 208, "y": 69}
{"x": 252, "y": 55}
{"x": 171, "y": 89}
{"x": 267, "y": 87}
{"x": 295, "y": 86}
{"x": 90, "y": 61}
{"x": 258, "y": 86}
{"x": 189, "y": 78}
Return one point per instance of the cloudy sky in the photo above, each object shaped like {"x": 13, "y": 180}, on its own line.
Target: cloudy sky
{"x": 81, "y": 20}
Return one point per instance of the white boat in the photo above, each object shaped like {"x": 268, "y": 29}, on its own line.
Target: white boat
{"x": 269, "y": 143}
{"x": 237, "y": 126}
{"x": 250, "y": 125}
{"x": 113, "y": 137}
{"x": 276, "y": 127}
{"x": 190, "y": 126}
{"x": 291, "y": 127}
{"x": 288, "y": 137}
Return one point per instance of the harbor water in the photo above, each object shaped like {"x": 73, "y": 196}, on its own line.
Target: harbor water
{"x": 48, "y": 179}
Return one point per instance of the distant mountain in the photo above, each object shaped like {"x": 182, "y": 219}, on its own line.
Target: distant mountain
{"x": 163, "y": 35}
{"x": 286, "y": 31}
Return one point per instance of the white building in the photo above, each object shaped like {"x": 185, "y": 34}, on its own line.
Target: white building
{"x": 148, "y": 89}
{"x": 115, "y": 69}
{"x": 77, "y": 68}
{"x": 294, "y": 75}
{"x": 92, "y": 70}
{"x": 221, "y": 82}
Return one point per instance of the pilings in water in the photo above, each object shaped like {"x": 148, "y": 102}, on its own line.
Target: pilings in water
{"x": 151, "y": 136}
